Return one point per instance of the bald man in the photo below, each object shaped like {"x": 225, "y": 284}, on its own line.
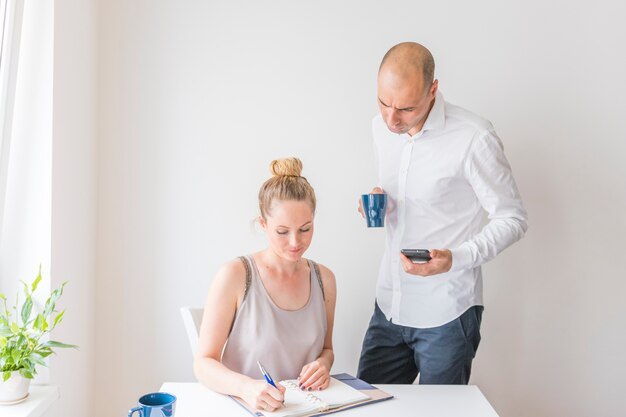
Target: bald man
{"x": 451, "y": 191}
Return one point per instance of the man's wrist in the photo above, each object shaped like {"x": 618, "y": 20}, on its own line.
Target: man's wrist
{"x": 461, "y": 258}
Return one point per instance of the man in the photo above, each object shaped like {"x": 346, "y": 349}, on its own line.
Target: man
{"x": 442, "y": 168}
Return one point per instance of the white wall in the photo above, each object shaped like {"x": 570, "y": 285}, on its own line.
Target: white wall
{"x": 74, "y": 201}
{"x": 197, "y": 97}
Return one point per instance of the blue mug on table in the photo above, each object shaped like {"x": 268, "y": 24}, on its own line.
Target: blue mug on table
{"x": 374, "y": 208}
{"x": 156, "y": 404}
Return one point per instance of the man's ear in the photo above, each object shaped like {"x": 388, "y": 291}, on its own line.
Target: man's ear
{"x": 434, "y": 87}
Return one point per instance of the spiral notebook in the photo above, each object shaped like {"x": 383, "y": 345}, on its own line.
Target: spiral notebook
{"x": 344, "y": 392}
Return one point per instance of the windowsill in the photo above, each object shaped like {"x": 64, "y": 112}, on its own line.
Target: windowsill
{"x": 39, "y": 400}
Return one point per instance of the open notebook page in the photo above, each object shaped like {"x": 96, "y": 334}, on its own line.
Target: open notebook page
{"x": 299, "y": 403}
{"x": 296, "y": 404}
{"x": 338, "y": 394}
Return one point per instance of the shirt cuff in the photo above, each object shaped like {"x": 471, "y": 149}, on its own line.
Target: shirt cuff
{"x": 461, "y": 258}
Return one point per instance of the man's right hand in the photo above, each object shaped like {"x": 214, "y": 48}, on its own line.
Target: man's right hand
{"x": 375, "y": 190}
{"x": 440, "y": 262}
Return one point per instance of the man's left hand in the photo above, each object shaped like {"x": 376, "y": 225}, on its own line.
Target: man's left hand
{"x": 441, "y": 261}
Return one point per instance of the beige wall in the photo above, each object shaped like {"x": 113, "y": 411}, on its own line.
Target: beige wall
{"x": 195, "y": 98}
{"x": 74, "y": 198}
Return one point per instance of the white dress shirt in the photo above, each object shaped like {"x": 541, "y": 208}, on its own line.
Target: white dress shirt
{"x": 440, "y": 184}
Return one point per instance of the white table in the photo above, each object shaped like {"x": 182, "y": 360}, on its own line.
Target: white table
{"x": 194, "y": 400}
{"x": 40, "y": 398}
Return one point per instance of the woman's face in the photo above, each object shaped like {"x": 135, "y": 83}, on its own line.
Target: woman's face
{"x": 289, "y": 228}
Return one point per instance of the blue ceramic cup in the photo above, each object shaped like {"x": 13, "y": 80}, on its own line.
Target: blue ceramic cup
{"x": 156, "y": 404}
{"x": 374, "y": 208}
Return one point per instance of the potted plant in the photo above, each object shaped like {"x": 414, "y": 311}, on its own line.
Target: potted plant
{"x": 23, "y": 344}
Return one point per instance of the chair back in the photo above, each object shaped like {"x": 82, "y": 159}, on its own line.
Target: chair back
{"x": 192, "y": 318}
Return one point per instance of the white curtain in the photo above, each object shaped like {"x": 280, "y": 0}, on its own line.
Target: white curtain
{"x": 11, "y": 12}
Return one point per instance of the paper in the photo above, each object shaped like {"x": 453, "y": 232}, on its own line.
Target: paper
{"x": 300, "y": 403}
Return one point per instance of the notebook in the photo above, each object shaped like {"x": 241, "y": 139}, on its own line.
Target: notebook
{"x": 344, "y": 392}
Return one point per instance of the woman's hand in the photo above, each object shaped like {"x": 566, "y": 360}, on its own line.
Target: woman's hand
{"x": 262, "y": 396}
{"x": 314, "y": 376}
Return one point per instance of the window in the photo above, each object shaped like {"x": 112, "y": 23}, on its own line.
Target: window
{"x": 3, "y": 18}
{"x": 26, "y": 135}
{"x": 10, "y": 30}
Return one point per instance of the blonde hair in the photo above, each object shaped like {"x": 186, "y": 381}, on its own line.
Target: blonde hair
{"x": 286, "y": 184}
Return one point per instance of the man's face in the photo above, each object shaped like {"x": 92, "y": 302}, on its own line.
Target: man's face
{"x": 404, "y": 101}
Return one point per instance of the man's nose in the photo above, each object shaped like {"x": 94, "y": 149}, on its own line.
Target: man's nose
{"x": 393, "y": 117}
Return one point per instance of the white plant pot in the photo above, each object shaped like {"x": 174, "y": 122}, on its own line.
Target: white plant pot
{"x": 14, "y": 389}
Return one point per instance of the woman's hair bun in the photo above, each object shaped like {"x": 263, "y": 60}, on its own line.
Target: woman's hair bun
{"x": 286, "y": 184}
{"x": 287, "y": 167}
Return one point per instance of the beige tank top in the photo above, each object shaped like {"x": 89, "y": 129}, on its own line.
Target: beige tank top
{"x": 282, "y": 340}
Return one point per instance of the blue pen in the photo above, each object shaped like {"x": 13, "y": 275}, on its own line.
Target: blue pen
{"x": 267, "y": 376}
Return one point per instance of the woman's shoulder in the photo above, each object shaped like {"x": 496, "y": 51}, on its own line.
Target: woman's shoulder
{"x": 325, "y": 271}
{"x": 328, "y": 277}
{"x": 232, "y": 274}
{"x": 233, "y": 267}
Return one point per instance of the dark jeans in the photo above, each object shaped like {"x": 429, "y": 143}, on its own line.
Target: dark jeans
{"x": 394, "y": 354}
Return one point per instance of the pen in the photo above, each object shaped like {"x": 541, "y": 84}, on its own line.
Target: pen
{"x": 267, "y": 376}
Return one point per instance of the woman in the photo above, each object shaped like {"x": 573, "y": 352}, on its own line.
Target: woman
{"x": 273, "y": 306}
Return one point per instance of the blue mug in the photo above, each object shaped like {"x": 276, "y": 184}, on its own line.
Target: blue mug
{"x": 374, "y": 208}
{"x": 156, "y": 404}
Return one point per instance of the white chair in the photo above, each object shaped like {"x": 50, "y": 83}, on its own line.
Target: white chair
{"x": 192, "y": 318}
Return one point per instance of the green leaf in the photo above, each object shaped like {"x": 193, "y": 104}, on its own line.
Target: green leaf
{"x": 44, "y": 353}
{"x": 27, "y": 307}
{"x": 51, "y": 301}
{"x": 52, "y": 343}
{"x": 25, "y": 289}
{"x": 26, "y": 373}
{"x": 38, "y": 360}
{"x": 27, "y": 363}
{"x": 58, "y": 319}
{"x": 3, "y": 297}
{"x": 14, "y": 327}
{"x": 6, "y": 375}
{"x": 38, "y": 322}
{"x": 36, "y": 281}
{"x": 3, "y": 342}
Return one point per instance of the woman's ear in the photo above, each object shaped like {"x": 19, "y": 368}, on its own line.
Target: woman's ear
{"x": 262, "y": 222}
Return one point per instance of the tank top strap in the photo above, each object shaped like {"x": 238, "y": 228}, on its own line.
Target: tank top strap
{"x": 318, "y": 274}
{"x": 246, "y": 264}
{"x": 248, "y": 267}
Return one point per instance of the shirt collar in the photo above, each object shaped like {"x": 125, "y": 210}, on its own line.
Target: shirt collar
{"x": 436, "y": 118}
